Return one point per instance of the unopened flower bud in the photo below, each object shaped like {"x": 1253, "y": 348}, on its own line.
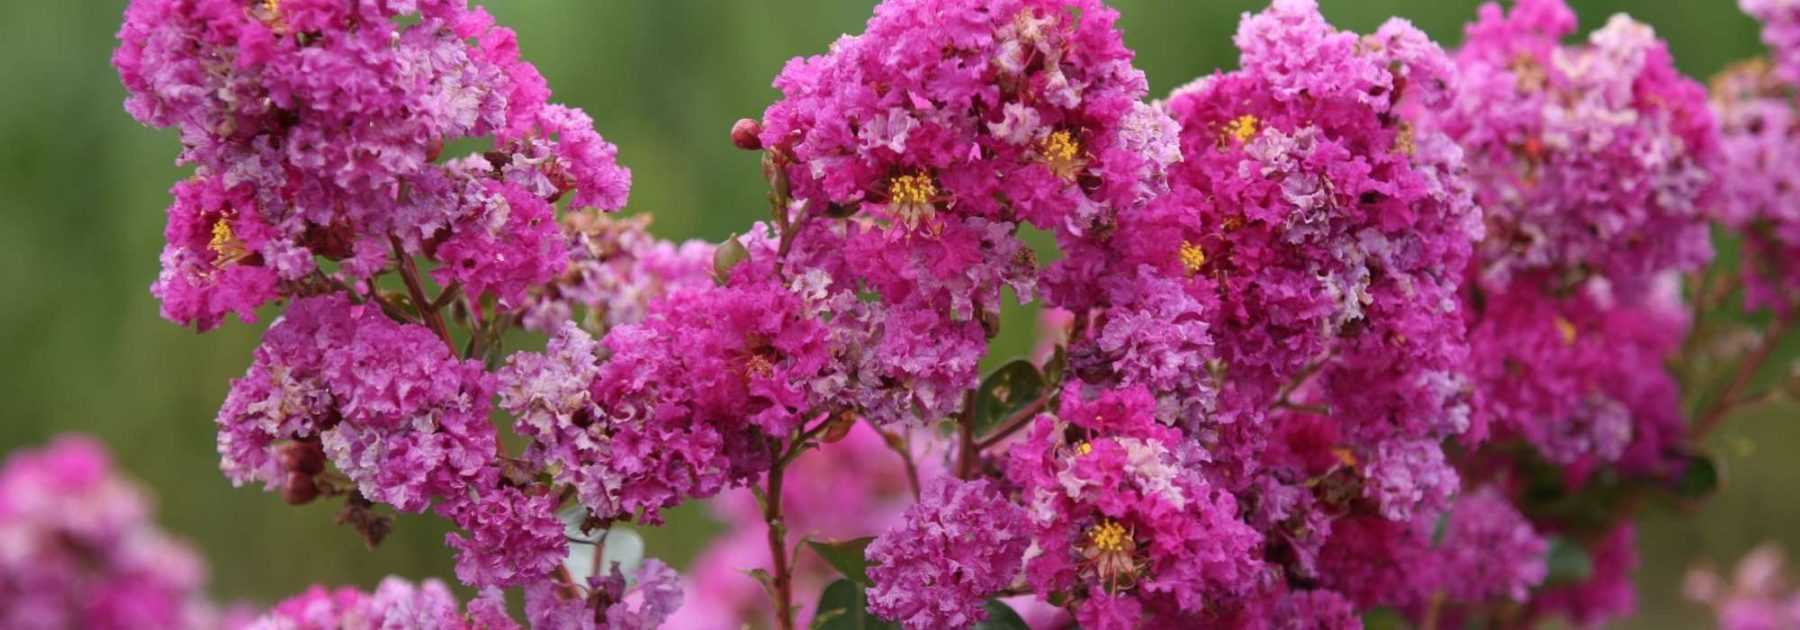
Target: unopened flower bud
{"x": 303, "y": 457}
{"x": 745, "y": 134}
{"x": 299, "y": 489}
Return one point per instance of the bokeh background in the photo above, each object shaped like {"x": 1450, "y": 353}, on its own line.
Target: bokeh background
{"x": 82, "y": 189}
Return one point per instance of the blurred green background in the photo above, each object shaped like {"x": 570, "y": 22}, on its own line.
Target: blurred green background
{"x": 82, "y": 189}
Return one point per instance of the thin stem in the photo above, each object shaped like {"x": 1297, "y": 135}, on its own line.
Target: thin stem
{"x": 409, "y": 271}
{"x": 967, "y": 451}
{"x": 1011, "y": 424}
{"x": 1299, "y": 381}
{"x": 1734, "y": 393}
{"x": 904, "y": 450}
{"x": 449, "y": 295}
{"x": 780, "y": 579}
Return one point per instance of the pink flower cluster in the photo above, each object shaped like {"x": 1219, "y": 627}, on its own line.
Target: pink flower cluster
{"x": 1758, "y": 595}
{"x": 1590, "y": 161}
{"x": 396, "y": 603}
{"x": 79, "y": 548}
{"x": 935, "y": 134}
{"x": 317, "y": 127}
{"x": 1349, "y": 327}
{"x": 1120, "y": 510}
{"x": 1759, "y": 126}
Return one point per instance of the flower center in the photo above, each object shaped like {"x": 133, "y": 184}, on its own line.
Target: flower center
{"x": 1243, "y": 128}
{"x": 226, "y": 244}
{"x": 1083, "y": 448}
{"x": 1566, "y": 329}
{"x": 269, "y": 13}
{"x": 1192, "y": 257}
{"x": 912, "y": 189}
{"x": 1405, "y": 143}
{"x": 1062, "y": 153}
{"x": 912, "y": 197}
{"x": 1108, "y": 536}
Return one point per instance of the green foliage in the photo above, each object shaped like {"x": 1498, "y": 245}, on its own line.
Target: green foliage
{"x": 1004, "y": 392}
{"x": 849, "y": 557}
{"x": 845, "y": 606}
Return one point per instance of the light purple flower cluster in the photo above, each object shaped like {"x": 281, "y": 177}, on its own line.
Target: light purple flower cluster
{"x": 1758, "y": 595}
{"x": 640, "y": 603}
{"x": 962, "y": 542}
{"x": 688, "y": 401}
{"x": 908, "y": 156}
{"x": 387, "y": 402}
{"x": 79, "y": 548}
{"x": 396, "y": 603}
{"x": 1781, "y": 31}
{"x": 1597, "y": 160}
{"x": 616, "y": 268}
{"x": 1759, "y": 127}
{"x": 1306, "y": 255}
{"x": 316, "y": 128}
{"x": 1581, "y": 378}
{"x": 1119, "y": 509}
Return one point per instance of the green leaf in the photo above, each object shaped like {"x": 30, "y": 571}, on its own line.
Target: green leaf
{"x": 1001, "y": 617}
{"x": 1383, "y": 619}
{"x": 1568, "y": 562}
{"x": 845, "y": 606}
{"x": 1699, "y": 480}
{"x": 729, "y": 254}
{"x": 847, "y": 556}
{"x": 1058, "y": 363}
{"x": 1005, "y": 392}
{"x": 763, "y": 578}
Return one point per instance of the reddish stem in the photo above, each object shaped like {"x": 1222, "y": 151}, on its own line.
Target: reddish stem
{"x": 1740, "y": 381}
{"x": 409, "y": 271}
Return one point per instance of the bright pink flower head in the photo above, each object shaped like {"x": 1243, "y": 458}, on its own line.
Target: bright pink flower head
{"x": 1581, "y": 377}
{"x": 387, "y": 403}
{"x": 221, "y": 258}
{"x": 687, "y": 401}
{"x": 616, "y": 268}
{"x": 959, "y": 545}
{"x": 1597, "y": 159}
{"x": 1119, "y": 508}
{"x": 513, "y": 536}
{"x": 1012, "y": 110}
{"x": 326, "y": 122}
{"x": 607, "y": 602}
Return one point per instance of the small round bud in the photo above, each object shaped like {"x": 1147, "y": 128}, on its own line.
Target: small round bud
{"x": 303, "y": 457}
{"x": 745, "y": 134}
{"x": 299, "y": 489}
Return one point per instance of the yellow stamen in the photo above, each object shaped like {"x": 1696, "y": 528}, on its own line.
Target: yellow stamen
{"x": 1345, "y": 457}
{"x": 1062, "y": 153}
{"x": 225, "y": 244}
{"x": 269, "y": 13}
{"x": 1108, "y": 536}
{"x": 1243, "y": 128}
{"x": 1192, "y": 257}
{"x": 912, "y": 189}
{"x": 912, "y": 197}
{"x": 1405, "y": 142}
{"x": 1083, "y": 448}
{"x": 1566, "y": 328}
